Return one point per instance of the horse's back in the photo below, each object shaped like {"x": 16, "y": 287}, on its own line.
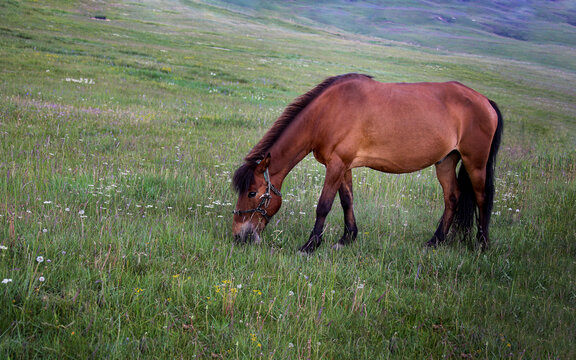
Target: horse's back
{"x": 397, "y": 127}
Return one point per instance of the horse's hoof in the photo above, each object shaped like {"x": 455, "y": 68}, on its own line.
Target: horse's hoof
{"x": 337, "y": 246}
{"x": 432, "y": 243}
{"x": 309, "y": 247}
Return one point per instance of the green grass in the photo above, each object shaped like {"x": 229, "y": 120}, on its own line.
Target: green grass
{"x": 117, "y": 143}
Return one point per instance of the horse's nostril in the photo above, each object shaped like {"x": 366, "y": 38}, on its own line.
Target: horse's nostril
{"x": 240, "y": 239}
{"x": 247, "y": 235}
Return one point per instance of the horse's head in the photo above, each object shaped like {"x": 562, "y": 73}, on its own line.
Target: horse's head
{"x": 258, "y": 200}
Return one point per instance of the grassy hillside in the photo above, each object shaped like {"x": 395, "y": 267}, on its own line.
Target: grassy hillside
{"x": 120, "y": 124}
{"x": 535, "y": 31}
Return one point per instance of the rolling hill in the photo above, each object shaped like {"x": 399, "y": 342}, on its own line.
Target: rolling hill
{"x": 526, "y": 30}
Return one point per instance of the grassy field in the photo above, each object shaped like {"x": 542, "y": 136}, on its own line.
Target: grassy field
{"x": 118, "y": 137}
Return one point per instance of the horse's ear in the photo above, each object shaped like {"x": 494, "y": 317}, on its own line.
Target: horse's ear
{"x": 263, "y": 164}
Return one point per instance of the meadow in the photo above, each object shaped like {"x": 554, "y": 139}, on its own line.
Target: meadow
{"x": 120, "y": 126}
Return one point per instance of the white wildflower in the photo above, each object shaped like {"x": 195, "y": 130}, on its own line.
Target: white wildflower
{"x": 40, "y": 259}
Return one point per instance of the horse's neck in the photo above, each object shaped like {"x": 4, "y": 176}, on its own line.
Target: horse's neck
{"x": 288, "y": 151}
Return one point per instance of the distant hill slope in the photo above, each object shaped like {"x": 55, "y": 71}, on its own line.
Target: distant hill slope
{"x": 541, "y": 31}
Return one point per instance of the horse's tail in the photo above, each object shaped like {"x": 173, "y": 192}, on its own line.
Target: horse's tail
{"x": 466, "y": 210}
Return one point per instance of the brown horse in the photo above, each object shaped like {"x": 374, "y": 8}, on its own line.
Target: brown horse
{"x": 350, "y": 121}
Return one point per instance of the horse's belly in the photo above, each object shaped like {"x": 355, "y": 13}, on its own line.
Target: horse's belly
{"x": 385, "y": 165}
{"x": 400, "y": 159}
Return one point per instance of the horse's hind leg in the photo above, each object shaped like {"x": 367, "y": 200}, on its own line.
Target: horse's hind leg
{"x": 347, "y": 199}
{"x": 446, "y": 174}
{"x": 478, "y": 179}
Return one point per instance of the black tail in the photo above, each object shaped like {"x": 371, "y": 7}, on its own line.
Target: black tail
{"x": 466, "y": 211}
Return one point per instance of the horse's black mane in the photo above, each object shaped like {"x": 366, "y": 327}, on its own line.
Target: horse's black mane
{"x": 243, "y": 177}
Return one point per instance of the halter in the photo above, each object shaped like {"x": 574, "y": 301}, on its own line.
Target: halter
{"x": 264, "y": 199}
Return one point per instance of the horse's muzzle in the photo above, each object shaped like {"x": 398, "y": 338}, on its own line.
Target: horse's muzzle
{"x": 247, "y": 234}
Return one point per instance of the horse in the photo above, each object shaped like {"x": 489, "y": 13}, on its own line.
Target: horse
{"x": 351, "y": 121}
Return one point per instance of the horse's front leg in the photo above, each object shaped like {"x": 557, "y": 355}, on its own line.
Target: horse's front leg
{"x": 334, "y": 176}
{"x": 347, "y": 200}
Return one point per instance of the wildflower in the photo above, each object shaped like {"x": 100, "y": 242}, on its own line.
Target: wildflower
{"x": 44, "y": 231}
{"x": 290, "y": 345}
{"x": 40, "y": 259}
{"x": 6, "y": 281}
{"x": 81, "y": 212}
{"x": 291, "y": 293}
{"x": 47, "y": 202}
{"x": 41, "y": 279}
{"x": 239, "y": 286}
{"x": 67, "y": 209}
{"x": 81, "y": 81}
{"x": 2, "y": 247}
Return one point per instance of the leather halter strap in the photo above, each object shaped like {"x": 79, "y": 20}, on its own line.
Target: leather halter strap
{"x": 264, "y": 199}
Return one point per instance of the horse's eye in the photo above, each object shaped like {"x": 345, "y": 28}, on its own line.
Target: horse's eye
{"x": 251, "y": 194}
